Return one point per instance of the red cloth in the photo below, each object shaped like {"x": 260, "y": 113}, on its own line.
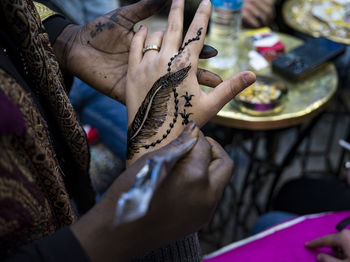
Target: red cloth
{"x": 271, "y": 52}
{"x": 92, "y": 135}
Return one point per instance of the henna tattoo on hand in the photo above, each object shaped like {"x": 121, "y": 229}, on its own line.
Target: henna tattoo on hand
{"x": 99, "y": 27}
{"x": 114, "y": 17}
{"x": 199, "y": 32}
{"x": 185, "y": 117}
{"x": 188, "y": 98}
{"x": 153, "y": 111}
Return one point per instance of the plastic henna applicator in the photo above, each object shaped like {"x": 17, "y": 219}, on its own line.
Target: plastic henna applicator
{"x": 134, "y": 203}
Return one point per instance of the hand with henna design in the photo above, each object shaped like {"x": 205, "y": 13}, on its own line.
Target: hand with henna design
{"x": 159, "y": 84}
{"x": 98, "y": 52}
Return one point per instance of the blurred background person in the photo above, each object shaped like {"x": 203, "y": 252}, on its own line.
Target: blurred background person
{"x": 83, "y": 11}
{"x": 255, "y": 13}
{"x": 258, "y": 13}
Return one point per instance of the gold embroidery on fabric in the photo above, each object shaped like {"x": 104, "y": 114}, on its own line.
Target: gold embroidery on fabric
{"x": 45, "y": 75}
{"x": 35, "y": 154}
{"x": 15, "y": 194}
{"x": 37, "y": 186}
{"x": 44, "y": 11}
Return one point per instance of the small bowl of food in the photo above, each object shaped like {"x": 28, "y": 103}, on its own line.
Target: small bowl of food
{"x": 265, "y": 97}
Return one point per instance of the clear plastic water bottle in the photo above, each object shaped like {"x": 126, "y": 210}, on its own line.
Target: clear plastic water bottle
{"x": 225, "y": 24}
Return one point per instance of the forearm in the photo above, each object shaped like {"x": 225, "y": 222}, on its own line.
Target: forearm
{"x": 101, "y": 239}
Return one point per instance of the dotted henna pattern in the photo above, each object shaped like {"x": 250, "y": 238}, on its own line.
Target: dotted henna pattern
{"x": 152, "y": 113}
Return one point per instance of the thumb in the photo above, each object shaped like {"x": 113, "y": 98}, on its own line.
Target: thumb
{"x": 141, "y": 10}
{"x": 227, "y": 90}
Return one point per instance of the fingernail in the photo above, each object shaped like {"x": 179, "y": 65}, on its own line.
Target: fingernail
{"x": 249, "y": 78}
{"x": 208, "y": 52}
{"x": 142, "y": 27}
{"x": 192, "y": 125}
{"x": 205, "y": 2}
{"x": 188, "y": 130}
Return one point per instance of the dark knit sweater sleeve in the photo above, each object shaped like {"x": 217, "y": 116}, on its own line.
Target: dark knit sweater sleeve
{"x": 61, "y": 246}
{"x": 184, "y": 250}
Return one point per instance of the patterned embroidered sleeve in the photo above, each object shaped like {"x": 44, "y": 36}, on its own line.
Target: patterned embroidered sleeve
{"x": 33, "y": 199}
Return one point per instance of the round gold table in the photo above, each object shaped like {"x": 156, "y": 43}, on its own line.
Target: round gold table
{"x": 305, "y": 98}
{"x": 298, "y": 15}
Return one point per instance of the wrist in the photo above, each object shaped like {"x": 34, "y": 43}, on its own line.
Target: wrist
{"x": 98, "y": 236}
{"x": 64, "y": 45}
{"x": 163, "y": 136}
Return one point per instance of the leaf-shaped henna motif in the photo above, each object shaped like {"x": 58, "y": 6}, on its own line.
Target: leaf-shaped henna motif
{"x": 153, "y": 111}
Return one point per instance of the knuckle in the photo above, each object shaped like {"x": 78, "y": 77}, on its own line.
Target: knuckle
{"x": 232, "y": 89}
{"x": 174, "y": 27}
{"x": 175, "y": 7}
{"x": 201, "y": 176}
{"x": 157, "y": 34}
{"x": 203, "y": 12}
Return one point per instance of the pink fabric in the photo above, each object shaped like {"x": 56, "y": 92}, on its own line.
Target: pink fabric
{"x": 286, "y": 244}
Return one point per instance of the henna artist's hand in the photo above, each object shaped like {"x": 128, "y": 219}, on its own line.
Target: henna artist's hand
{"x": 98, "y": 52}
{"x": 183, "y": 202}
{"x": 162, "y": 92}
{"x": 257, "y": 13}
{"x": 193, "y": 187}
{"x": 340, "y": 243}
